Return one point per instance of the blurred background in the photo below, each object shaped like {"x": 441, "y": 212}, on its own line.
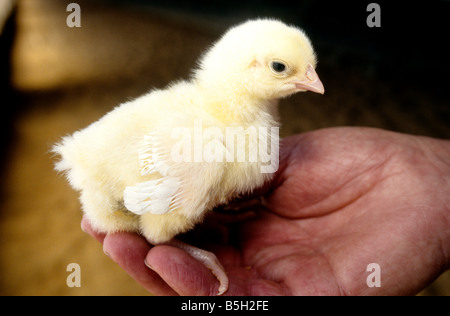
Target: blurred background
{"x": 55, "y": 80}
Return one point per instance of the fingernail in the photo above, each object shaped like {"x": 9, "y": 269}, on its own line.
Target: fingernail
{"x": 82, "y": 227}
{"x": 106, "y": 253}
{"x": 147, "y": 264}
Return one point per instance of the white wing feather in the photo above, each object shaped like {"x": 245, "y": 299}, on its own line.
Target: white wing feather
{"x": 158, "y": 196}
{"x": 155, "y": 196}
{"x": 151, "y": 157}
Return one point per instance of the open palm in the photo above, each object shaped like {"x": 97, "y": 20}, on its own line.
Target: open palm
{"x": 343, "y": 198}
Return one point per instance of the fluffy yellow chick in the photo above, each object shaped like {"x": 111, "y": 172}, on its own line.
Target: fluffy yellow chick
{"x": 158, "y": 164}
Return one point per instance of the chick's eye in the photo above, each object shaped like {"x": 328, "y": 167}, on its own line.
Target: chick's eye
{"x": 278, "y": 67}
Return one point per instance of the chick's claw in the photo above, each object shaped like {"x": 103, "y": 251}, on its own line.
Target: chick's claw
{"x": 208, "y": 259}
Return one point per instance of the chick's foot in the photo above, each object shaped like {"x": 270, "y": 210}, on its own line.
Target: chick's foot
{"x": 208, "y": 259}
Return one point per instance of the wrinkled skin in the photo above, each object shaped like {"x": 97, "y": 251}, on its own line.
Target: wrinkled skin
{"x": 342, "y": 198}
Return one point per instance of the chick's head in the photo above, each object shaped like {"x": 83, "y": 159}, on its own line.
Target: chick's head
{"x": 263, "y": 58}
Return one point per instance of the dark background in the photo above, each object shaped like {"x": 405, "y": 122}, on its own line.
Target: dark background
{"x": 56, "y": 79}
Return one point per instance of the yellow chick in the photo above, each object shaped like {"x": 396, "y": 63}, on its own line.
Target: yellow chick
{"x": 158, "y": 164}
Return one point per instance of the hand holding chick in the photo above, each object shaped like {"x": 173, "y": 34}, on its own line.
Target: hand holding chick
{"x": 343, "y": 198}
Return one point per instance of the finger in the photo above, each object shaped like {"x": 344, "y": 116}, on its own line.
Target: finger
{"x": 183, "y": 273}
{"x": 129, "y": 252}
{"x": 87, "y": 228}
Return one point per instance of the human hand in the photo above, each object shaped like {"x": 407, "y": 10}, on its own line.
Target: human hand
{"x": 342, "y": 198}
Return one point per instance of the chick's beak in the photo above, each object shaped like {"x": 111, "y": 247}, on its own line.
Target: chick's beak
{"x": 312, "y": 82}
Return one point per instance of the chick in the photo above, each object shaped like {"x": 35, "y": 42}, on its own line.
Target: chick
{"x": 136, "y": 168}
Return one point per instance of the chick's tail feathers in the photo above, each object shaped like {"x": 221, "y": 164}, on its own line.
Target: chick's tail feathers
{"x": 69, "y": 156}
